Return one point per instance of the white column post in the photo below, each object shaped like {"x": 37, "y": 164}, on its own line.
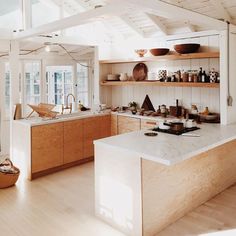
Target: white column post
{"x": 14, "y": 82}
{"x": 63, "y": 31}
{"x": 223, "y": 77}
{"x": 26, "y": 11}
{"x": 96, "y": 81}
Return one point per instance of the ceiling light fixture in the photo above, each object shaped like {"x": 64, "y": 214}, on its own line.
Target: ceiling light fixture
{"x": 47, "y": 48}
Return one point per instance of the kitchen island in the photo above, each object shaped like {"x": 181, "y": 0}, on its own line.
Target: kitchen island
{"x": 143, "y": 184}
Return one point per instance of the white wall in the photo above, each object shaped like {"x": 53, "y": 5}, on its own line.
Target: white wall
{"x": 122, "y": 95}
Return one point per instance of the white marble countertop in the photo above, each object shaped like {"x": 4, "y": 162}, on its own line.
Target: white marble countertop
{"x": 170, "y": 149}
{"x": 35, "y": 121}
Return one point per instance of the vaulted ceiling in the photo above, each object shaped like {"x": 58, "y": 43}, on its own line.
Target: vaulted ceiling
{"x": 141, "y": 23}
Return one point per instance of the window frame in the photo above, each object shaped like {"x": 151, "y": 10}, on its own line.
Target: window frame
{"x": 23, "y": 83}
{"x": 90, "y": 81}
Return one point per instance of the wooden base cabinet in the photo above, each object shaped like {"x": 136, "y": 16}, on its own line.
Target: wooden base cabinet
{"x": 95, "y": 128}
{"x": 128, "y": 124}
{"x": 60, "y": 145}
{"x": 73, "y": 141}
{"x": 148, "y": 124}
{"x": 46, "y": 146}
{"x": 114, "y": 127}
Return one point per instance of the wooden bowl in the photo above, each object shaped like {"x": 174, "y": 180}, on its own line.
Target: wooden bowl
{"x": 186, "y": 48}
{"x": 159, "y": 51}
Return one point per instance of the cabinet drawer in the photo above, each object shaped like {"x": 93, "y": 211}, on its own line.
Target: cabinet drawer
{"x": 128, "y": 124}
{"x": 148, "y": 124}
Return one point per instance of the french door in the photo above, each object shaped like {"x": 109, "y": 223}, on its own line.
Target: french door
{"x": 59, "y": 83}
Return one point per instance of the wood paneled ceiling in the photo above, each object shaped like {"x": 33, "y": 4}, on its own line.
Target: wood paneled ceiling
{"x": 140, "y": 23}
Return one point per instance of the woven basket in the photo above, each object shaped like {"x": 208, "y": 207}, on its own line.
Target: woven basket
{"x": 8, "y": 179}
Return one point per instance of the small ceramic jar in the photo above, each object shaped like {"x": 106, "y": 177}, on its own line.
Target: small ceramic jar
{"x": 213, "y": 75}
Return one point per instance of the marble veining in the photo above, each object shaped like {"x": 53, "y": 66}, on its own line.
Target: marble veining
{"x": 170, "y": 149}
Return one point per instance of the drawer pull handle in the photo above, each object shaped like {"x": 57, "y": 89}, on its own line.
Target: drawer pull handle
{"x": 151, "y": 123}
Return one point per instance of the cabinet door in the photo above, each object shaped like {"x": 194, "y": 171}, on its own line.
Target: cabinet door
{"x": 73, "y": 140}
{"x": 95, "y": 128}
{"x": 105, "y": 126}
{"x": 148, "y": 124}
{"x": 114, "y": 125}
{"x": 47, "y": 146}
{"x": 91, "y": 132}
{"x": 128, "y": 124}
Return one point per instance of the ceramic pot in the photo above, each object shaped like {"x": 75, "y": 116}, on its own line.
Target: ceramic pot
{"x": 162, "y": 75}
{"x": 213, "y": 75}
{"x": 123, "y": 76}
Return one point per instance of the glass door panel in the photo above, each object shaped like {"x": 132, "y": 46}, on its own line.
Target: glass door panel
{"x": 59, "y": 83}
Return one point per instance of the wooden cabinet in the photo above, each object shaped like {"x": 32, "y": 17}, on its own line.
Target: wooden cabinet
{"x": 114, "y": 127}
{"x": 95, "y": 128}
{"x": 91, "y": 132}
{"x": 128, "y": 124}
{"x": 148, "y": 124}
{"x": 59, "y": 145}
{"x": 73, "y": 140}
{"x": 47, "y": 146}
{"x": 104, "y": 126}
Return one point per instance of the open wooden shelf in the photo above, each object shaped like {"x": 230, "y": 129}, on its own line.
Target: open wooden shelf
{"x": 200, "y": 55}
{"x": 157, "y": 83}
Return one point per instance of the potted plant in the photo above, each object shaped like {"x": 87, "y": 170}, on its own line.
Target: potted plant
{"x": 133, "y": 107}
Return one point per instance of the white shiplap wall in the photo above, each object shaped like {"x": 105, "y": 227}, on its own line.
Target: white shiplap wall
{"x": 122, "y": 95}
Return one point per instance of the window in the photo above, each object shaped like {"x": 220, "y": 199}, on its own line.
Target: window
{"x": 83, "y": 83}
{"x": 59, "y": 83}
{"x": 32, "y": 83}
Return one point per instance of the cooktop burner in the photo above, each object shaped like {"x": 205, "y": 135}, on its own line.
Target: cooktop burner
{"x": 169, "y": 131}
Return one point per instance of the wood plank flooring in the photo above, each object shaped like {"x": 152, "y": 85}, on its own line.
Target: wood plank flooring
{"x": 63, "y": 204}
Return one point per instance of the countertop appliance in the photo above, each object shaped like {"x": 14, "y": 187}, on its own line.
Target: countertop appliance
{"x": 169, "y": 131}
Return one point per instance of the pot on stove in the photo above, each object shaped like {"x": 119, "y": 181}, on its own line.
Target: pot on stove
{"x": 175, "y": 126}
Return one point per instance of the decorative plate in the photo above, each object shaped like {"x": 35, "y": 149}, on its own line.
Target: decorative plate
{"x": 140, "y": 72}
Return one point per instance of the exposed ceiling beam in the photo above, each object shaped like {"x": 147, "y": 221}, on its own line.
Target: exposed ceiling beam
{"x": 158, "y": 24}
{"x": 85, "y": 51}
{"x": 167, "y": 10}
{"x": 132, "y": 25}
{"x": 5, "y": 34}
{"x": 223, "y": 13}
{"x": 110, "y": 29}
{"x": 49, "y": 3}
{"x": 75, "y": 40}
{"x": 79, "y": 19}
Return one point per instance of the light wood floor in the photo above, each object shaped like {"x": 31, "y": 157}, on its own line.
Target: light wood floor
{"x": 63, "y": 204}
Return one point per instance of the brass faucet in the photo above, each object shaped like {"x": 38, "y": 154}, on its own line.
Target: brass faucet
{"x": 68, "y": 106}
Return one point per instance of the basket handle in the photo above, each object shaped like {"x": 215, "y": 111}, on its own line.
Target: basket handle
{"x": 6, "y": 162}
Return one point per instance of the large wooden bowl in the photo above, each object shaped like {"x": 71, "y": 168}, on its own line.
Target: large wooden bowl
{"x": 186, "y": 48}
{"x": 159, "y": 51}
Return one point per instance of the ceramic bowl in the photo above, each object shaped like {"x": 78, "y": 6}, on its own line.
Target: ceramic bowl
{"x": 186, "y": 48}
{"x": 159, "y": 51}
{"x": 141, "y": 52}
